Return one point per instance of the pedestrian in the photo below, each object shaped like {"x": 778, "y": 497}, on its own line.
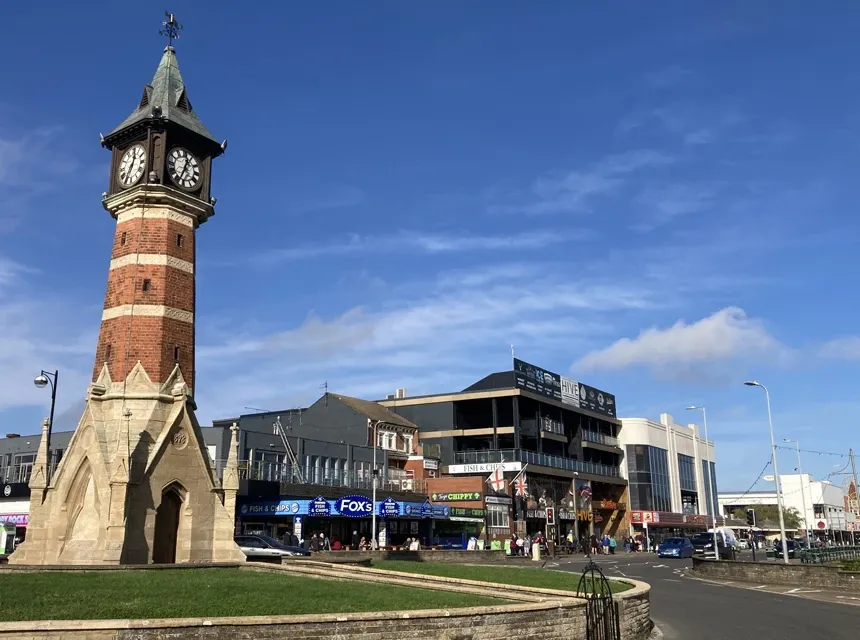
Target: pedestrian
{"x": 612, "y": 544}
{"x": 527, "y": 545}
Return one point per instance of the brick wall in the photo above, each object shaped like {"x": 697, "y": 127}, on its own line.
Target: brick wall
{"x": 778, "y": 573}
{"x": 153, "y": 340}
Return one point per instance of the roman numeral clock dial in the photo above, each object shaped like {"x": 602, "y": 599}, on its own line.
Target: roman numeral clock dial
{"x": 183, "y": 168}
{"x": 132, "y": 165}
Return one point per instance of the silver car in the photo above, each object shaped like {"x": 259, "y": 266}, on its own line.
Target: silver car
{"x": 257, "y": 546}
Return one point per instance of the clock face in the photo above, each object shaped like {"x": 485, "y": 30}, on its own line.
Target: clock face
{"x": 132, "y": 165}
{"x": 183, "y": 168}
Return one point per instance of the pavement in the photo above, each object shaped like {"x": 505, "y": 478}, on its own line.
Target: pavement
{"x": 687, "y": 608}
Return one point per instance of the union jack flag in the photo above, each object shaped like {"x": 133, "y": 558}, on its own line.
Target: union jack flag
{"x": 521, "y": 485}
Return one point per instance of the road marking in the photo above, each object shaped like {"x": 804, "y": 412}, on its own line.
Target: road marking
{"x": 760, "y": 586}
{"x": 847, "y": 598}
{"x": 804, "y": 591}
{"x": 671, "y": 580}
{"x": 660, "y": 566}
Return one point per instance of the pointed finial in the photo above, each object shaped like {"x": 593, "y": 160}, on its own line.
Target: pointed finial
{"x": 234, "y": 428}
{"x": 171, "y": 28}
{"x": 46, "y": 424}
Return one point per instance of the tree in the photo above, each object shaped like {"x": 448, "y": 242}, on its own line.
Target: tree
{"x": 793, "y": 518}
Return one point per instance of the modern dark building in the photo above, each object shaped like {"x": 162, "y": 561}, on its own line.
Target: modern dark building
{"x": 563, "y": 433}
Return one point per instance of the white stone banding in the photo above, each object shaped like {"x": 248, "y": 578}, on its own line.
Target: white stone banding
{"x": 155, "y": 214}
{"x": 156, "y": 259}
{"x": 148, "y": 310}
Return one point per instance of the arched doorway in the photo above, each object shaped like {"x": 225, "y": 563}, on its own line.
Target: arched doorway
{"x": 167, "y": 526}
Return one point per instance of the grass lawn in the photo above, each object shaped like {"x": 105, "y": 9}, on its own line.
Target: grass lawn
{"x": 204, "y": 593}
{"x": 851, "y": 565}
{"x": 522, "y": 576}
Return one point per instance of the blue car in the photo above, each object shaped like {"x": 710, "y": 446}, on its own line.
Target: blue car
{"x": 675, "y": 548}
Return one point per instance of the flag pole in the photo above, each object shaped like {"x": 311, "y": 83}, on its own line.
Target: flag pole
{"x": 514, "y": 479}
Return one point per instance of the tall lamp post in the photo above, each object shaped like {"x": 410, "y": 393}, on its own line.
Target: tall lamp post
{"x": 374, "y": 426}
{"x": 802, "y": 491}
{"x": 711, "y": 481}
{"x": 41, "y": 381}
{"x": 779, "y": 502}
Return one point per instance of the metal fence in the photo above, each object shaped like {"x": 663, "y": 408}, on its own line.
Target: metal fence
{"x": 828, "y": 555}
{"x": 599, "y": 438}
{"x": 285, "y": 473}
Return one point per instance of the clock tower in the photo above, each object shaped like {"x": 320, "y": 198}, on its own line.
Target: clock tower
{"x": 136, "y": 484}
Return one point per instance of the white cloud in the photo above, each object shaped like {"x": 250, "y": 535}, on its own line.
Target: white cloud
{"x": 428, "y": 336}
{"x": 847, "y": 348}
{"x": 422, "y": 242}
{"x": 684, "y": 350}
{"x": 573, "y": 191}
{"x": 664, "y": 204}
{"x": 668, "y": 77}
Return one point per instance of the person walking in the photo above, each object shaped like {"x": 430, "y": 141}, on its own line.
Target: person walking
{"x": 612, "y": 544}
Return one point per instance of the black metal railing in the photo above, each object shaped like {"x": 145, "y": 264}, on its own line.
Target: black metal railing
{"x": 537, "y": 459}
{"x": 599, "y": 438}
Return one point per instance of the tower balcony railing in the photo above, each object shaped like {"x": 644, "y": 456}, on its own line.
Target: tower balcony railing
{"x": 537, "y": 459}
{"x": 285, "y": 474}
{"x": 599, "y": 438}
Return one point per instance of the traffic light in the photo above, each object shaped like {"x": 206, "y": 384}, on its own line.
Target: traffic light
{"x": 550, "y": 516}
{"x": 751, "y": 517}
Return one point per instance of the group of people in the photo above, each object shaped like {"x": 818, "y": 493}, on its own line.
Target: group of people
{"x": 596, "y": 545}
{"x": 522, "y": 545}
{"x": 319, "y": 541}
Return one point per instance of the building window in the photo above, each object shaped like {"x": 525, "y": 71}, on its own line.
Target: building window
{"x": 122, "y": 238}
{"x": 107, "y": 352}
{"x": 687, "y": 472}
{"x": 497, "y": 516}
{"x": 648, "y": 474}
{"x": 709, "y": 477}
{"x": 180, "y": 241}
{"x": 175, "y": 353}
{"x": 147, "y": 284}
{"x": 23, "y": 466}
{"x": 407, "y": 443}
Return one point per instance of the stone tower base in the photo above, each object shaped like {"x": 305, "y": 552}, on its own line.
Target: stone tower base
{"x": 135, "y": 485}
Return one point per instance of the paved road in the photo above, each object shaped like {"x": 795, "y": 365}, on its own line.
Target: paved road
{"x": 685, "y": 608}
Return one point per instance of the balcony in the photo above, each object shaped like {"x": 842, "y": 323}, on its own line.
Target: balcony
{"x": 396, "y": 480}
{"x": 538, "y": 459}
{"x": 599, "y": 438}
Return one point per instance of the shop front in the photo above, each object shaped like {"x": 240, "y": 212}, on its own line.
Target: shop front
{"x": 346, "y": 519}
{"x": 660, "y": 525}
{"x": 15, "y": 508}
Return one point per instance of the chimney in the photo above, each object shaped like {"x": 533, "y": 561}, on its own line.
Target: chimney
{"x": 13, "y": 435}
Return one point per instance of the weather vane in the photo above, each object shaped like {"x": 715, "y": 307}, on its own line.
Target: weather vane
{"x": 171, "y": 28}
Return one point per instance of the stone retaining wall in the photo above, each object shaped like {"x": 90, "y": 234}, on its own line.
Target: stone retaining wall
{"x": 778, "y": 573}
{"x": 429, "y": 555}
{"x": 532, "y": 613}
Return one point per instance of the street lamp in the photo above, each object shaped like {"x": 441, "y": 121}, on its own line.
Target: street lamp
{"x": 779, "y": 503}
{"x": 711, "y": 482}
{"x": 802, "y": 491}
{"x": 41, "y": 381}
{"x": 375, "y": 430}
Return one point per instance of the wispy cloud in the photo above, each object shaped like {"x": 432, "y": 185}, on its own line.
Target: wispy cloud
{"x": 698, "y": 351}
{"x": 462, "y": 323}
{"x": 669, "y": 76}
{"x": 847, "y": 348}
{"x": 421, "y": 242}
{"x": 663, "y": 204}
{"x": 339, "y": 197}
{"x": 573, "y": 191}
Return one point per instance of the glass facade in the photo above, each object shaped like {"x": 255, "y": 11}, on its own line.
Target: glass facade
{"x": 687, "y": 472}
{"x": 709, "y": 468}
{"x": 648, "y": 474}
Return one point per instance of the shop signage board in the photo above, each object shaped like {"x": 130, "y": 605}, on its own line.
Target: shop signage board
{"x": 461, "y": 512}
{"x": 18, "y": 519}
{"x": 319, "y": 508}
{"x": 469, "y": 496}
{"x": 389, "y": 508}
{"x": 537, "y": 380}
{"x": 354, "y": 506}
{"x": 483, "y": 467}
{"x": 358, "y": 506}
{"x": 498, "y": 500}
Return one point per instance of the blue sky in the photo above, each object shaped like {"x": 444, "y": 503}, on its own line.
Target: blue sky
{"x": 656, "y": 199}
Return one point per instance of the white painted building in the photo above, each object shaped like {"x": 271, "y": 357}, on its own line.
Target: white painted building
{"x": 824, "y": 503}
{"x": 669, "y": 468}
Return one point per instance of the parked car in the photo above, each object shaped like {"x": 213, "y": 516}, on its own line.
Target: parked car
{"x": 676, "y": 548}
{"x": 793, "y": 549}
{"x": 743, "y": 544}
{"x": 260, "y": 547}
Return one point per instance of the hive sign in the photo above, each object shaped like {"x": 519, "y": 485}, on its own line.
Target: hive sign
{"x": 354, "y": 506}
